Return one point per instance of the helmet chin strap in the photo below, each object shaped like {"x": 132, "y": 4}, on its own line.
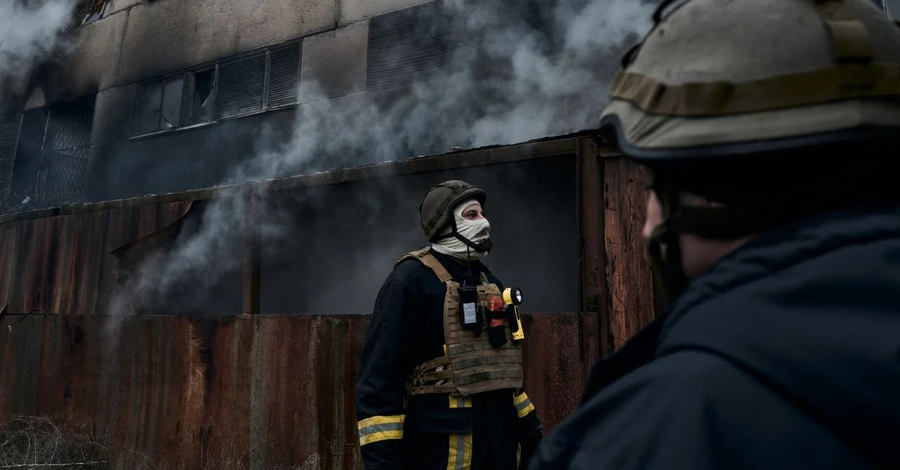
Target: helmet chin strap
{"x": 667, "y": 268}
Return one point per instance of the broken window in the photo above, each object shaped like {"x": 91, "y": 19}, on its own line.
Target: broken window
{"x": 159, "y": 106}
{"x": 90, "y": 10}
{"x": 203, "y": 96}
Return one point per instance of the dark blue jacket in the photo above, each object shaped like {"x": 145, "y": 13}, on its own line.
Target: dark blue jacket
{"x": 406, "y": 329}
{"x": 785, "y": 354}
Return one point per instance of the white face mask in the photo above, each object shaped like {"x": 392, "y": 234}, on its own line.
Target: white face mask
{"x": 476, "y": 231}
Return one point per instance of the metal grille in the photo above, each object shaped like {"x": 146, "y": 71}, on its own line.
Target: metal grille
{"x": 9, "y": 142}
{"x": 431, "y": 40}
{"x": 241, "y": 86}
{"x": 413, "y": 44}
{"x": 284, "y": 75}
{"x": 60, "y": 178}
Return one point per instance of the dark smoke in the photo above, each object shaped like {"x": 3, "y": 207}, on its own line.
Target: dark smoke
{"x": 527, "y": 82}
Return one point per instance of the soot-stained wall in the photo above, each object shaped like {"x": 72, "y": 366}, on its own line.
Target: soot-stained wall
{"x": 339, "y": 242}
{"x": 183, "y": 160}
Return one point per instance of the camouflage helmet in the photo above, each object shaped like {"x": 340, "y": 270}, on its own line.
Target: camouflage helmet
{"x": 436, "y": 208}
{"x": 714, "y": 78}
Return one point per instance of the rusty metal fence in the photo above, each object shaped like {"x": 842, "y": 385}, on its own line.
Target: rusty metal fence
{"x": 263, "y": 391}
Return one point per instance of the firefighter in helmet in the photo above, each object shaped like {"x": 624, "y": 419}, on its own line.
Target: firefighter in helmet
{"x": 770, "y": 131}
{"x": 440, "y": 382}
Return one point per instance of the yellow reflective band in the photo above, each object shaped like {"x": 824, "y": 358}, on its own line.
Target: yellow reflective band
{"x": 460, "y": 402}
{"x": 519, "y": 399}
{"x": 523, "y": 405}
{"x": 380, "y": 428}
{"x": 460, "y": 450}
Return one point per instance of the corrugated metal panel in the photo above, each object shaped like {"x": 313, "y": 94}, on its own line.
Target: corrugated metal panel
{"x": 241, "y": 86}
{"x": 9, "y": 142}
{"x": 414, "y": 44}
{"x": 63, "y": 264}
{"x": 284, "y": 75}
{"x": 629, "y": 277}
{"x": 252, "y": 391}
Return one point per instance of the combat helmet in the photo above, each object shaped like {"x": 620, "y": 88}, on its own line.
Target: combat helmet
{"x": 436, "y": 209}
{"x": 714, "y": 78}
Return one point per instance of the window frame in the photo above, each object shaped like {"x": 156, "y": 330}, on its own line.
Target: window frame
{"x": 189, "y": 87}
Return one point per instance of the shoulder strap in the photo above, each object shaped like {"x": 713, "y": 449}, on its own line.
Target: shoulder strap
{"x": 424, "y": 257}
{"x": 484, "y": 278}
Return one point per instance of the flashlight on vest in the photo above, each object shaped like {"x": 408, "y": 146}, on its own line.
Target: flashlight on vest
{"x": 470, "y": 314}
{"x": 512, "y": 296}
{"x": 497, "y": 325}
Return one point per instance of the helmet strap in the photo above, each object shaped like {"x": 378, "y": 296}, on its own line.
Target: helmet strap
{"x": 667, "y": 268}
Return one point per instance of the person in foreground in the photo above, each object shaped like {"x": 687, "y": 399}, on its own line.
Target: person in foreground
{"x": 770, "y": 130}
{"x": 440, "y": 383}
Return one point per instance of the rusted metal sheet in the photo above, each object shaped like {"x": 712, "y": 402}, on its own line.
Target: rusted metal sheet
{"x": 629, "y": 277}
{"x": 63, "y": 264}
{"x": 591, "y": 272}
{"x": 259, "y": 391}
{"x": 20, "y": 361}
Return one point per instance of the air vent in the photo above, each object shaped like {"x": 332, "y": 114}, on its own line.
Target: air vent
{"x": 9, "y": 142}
{"x": 431, "y": 40}
{"x": 414, "y": 44}
{"x": 284, "y": 76}
{"x": 241, "y": 86}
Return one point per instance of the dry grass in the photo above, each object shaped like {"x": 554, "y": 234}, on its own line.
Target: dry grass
{"x": 29, "y": 443}
{"x": 32, "y": 443}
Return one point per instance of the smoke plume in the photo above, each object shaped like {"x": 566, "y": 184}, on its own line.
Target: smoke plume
{"x": 526, "y": 82}
{"x": 29, "y": 33}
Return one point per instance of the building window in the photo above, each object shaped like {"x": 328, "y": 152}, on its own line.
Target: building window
{"x": 240, "y": 87}
{"x": 64, "y": 155}
{"x": 243, "y": 86}
{"x": 202, "y": 96}
{"x": 432, "y": 40}
{"x": 159, "y": 106}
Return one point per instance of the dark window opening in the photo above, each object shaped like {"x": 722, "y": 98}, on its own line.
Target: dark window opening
{"x": 159, "y": 106}
{"x": 64, "y": 154}
{"x": 203, "y": 96}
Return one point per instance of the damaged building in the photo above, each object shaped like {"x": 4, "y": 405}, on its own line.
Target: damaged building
{"x": 202, "y": 198}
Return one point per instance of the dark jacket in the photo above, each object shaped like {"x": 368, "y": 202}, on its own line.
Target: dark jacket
{"x": 406, "y": 329}
{"x": 785, "y": 354}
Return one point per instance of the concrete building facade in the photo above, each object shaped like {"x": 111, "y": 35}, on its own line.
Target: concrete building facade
{"x": 165, "y": 95}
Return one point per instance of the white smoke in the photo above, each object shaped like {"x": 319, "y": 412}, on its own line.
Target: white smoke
{"x": 29, "y": 33}
{"x": 541, "y": 89}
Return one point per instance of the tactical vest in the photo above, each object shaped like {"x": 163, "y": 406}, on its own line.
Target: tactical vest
{"x": 470, "y": 363}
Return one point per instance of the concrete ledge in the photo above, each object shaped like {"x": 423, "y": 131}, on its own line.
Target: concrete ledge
{"x": 358, "y": 10}
{"x": 168, "y": 35}
{"x": 336, "y": 60}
